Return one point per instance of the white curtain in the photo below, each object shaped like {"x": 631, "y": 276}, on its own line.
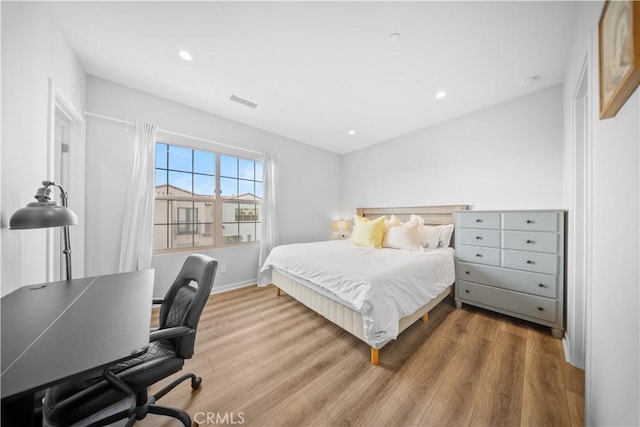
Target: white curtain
{"x": 269, "y": 238}
{"x": 137, "y": 227}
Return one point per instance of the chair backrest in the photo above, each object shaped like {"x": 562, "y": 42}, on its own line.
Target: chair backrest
{"x": 183, "y": 303}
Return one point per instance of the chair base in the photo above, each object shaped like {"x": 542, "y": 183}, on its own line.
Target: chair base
{"x": 147, "y": 405}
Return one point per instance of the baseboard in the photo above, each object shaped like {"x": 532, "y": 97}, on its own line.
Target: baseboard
{"x": 566, "y": 346}
{"x": 231, "y": 286}
{"x": 225, "y": 288}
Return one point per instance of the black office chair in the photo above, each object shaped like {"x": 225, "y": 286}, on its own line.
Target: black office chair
{"x": 170, "y": 345}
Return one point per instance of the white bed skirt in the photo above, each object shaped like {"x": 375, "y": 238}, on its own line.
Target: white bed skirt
{"x": 338, "y": 313}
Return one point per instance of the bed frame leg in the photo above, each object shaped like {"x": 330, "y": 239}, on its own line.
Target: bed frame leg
{"x": 277, "y": 291}
{"x": 375, "y": 356}
{"x": 425, "y": 318}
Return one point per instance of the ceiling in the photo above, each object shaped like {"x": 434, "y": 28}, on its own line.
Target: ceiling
{"x": 320, "y": 69}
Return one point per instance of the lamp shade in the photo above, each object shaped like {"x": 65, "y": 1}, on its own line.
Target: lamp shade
{"x": 42, "y": 215}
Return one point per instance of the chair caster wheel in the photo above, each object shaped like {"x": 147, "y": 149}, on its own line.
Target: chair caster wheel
{"x": 195, "y": 384}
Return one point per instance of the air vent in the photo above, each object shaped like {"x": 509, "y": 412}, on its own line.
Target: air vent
{"x": 244, "y": 102}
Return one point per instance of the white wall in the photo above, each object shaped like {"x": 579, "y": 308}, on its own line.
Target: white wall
{"x": 33, "y": 50}
{"x": 507, "y": 156}
{"x": 1, "y": 231}
{"x": 612, "y": 300}
{"x": 309, "y": 180}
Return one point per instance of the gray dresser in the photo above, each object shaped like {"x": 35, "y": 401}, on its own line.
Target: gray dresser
{"x": 513, "y": 262}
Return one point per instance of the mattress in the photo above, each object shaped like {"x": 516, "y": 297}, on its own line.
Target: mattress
{"x": 384, "y": 285}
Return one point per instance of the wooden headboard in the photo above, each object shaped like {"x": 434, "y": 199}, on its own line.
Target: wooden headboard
{"x": 431, "y": 214}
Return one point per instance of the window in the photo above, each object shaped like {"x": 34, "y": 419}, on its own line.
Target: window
{"x": 187, "y": 217}
{"x": 240, "y": 189}
{"x": 197, "y": 206}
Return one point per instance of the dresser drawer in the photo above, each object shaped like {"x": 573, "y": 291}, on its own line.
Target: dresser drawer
{"x": 530, "y": 261}
{"x": 522, "y": 281}
{"x": 530, "y": 221}
{"x": 472, "y": 219}
{"x": 478, "y": 254}
{"x": 528, "y": 305}
{"x": 479, "y": 237}
{"x": 530, "y": 241}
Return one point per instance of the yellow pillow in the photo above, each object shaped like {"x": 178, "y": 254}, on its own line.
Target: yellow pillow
{"x": 368, "y": 233}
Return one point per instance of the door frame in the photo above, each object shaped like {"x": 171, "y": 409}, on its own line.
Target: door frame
{"x": 581, "y": 234}
{"x": 61, "y": 107}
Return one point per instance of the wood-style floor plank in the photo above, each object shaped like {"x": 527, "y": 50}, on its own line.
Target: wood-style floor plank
{"x": 412, "y": 389}
{"x": 500, "y": 395}
{"x": 268, "y": 360}
{"x": 544, "y": 383}
{"x": 454, "y": 400}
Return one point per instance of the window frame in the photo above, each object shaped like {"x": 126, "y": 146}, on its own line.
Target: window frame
{"x": 218, "y": 202}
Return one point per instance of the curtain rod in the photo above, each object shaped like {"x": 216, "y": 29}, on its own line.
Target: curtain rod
{"x": 180, "y": 135}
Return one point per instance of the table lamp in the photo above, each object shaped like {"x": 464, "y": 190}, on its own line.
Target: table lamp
{"x": 47, "y": 213}
{"x": 341, "y": 226}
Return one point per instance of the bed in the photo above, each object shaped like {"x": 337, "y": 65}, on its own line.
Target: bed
{"x": 374, "y": 294}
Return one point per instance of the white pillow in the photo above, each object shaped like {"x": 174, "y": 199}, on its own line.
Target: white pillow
{"x": 391, "y": 222}
{"x": 429, "y": 236}
{"x": 402, "y": 236}
{"x": 417, "y": 218}
{"x": 445, "y": 236}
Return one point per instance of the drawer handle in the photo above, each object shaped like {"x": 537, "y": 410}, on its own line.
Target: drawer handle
{"x": 479, "y": 255}
{"x": 467, "y": 291}
{"x": 478, "y": 220}
{"x": 478, "y": 237}
{"x": 530, "y": 241}
{"x": 540, "y": 309}
{"x": 541, "y": 285}
{"x": 529, "y": 221}
{"x": 466, "y": 272}
{"x": 530, "y": 262}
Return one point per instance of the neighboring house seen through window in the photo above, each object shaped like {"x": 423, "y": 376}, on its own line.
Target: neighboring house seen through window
{"x": 205, "y": 199}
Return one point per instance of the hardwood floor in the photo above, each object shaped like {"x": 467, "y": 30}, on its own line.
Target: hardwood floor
{"x": 268, "y": 360}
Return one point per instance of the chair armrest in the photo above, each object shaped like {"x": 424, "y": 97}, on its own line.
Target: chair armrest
{"x": 157, "y": 301}
{"x": 115, "y": 381}
{"x": 163, "y": 334}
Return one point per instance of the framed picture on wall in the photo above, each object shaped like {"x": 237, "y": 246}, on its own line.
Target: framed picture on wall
{"x": 619, "y": 35}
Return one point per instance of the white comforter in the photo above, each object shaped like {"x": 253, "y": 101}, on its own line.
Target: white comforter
{"x": 382, "y": 284}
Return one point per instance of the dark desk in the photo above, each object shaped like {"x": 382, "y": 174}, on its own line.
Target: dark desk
{"x": 57, "y": 331}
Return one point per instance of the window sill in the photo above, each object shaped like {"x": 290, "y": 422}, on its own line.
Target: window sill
{"x": 195, "y": 249}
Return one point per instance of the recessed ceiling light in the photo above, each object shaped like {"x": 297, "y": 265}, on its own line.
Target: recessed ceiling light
{"x": 394, "y": 37}
{"x": 441, "y": 94}
{"x": 185, "y": 55}
{"x": 352, "y": 132}
{"x": 529, "y": 81}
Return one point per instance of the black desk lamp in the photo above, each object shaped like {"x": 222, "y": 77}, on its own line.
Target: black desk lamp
{"x": 47, "y": 213}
